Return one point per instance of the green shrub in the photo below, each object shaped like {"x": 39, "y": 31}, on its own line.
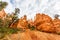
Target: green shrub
{"x": 3, "y": 5}
{"x": 6, "y": 31}
{"x": 31, "y": 27}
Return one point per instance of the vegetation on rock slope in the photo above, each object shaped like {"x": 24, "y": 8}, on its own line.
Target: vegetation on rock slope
{"x": 42, "y": 23}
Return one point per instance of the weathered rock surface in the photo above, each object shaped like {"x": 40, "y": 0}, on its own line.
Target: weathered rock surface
{"x": 34, "y": 35}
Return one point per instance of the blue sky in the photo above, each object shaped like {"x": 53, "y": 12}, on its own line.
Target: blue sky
{"x": 31, "y": 7}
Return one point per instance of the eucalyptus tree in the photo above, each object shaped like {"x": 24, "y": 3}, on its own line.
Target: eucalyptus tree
{"x": 3, "y": 5}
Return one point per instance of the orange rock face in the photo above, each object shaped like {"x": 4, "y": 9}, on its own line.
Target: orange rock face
{"x": 46, "y": 27}
{"x": 22, "y": 23}
{"x": 56, "y": 22}
{"x": 2, "y": 13}
{"x": 57, "y": 25}
{"x": 14, "y": 25}
{"x": 44, "y": 22}
{"x": 41, "y": 18}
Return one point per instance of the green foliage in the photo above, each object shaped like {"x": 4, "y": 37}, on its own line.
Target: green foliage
{"x": 17, "y": 10}
{"x": 3, "y": 5}
{"x": 4, "y": 24}
{"x": 2, "y": 35}
{"x": 5, "y": 31}
{"x": 14, "y": 15}
{"x": 31, "y": 27}
{"x": 56, "y": 16}
{"x": 12, "y": 30}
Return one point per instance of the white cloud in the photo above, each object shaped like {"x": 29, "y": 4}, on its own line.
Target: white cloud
{"x": 31, "y": 7}
{"x": 9, "y": 7}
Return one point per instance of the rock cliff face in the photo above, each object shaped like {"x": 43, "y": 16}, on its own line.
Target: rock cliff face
{"x": 22, "y": 22}
{"x": 43, "y": 23}
{"x": 2, "y": 13}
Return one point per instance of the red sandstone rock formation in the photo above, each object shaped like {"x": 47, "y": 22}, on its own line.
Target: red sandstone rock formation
{"x": 22, "y": 22}
{"x": 2, "y": 13}
{"x": 56, "y": 23}
{"x": 42, "y": 22}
